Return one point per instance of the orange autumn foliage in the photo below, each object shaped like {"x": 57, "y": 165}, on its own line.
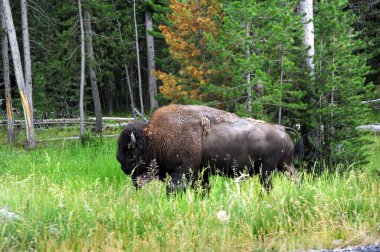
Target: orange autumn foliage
{"x": 187, "y": 41}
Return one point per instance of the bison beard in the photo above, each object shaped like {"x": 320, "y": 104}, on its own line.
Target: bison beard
{"x": 189, "y": 143}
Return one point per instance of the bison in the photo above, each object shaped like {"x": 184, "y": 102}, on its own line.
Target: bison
{"x": 188, "y": 143}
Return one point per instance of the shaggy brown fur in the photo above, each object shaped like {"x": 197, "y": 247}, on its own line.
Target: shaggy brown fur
{"x": 175, "y": 134}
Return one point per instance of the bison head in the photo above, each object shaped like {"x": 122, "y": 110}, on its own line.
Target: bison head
{"x": 132, "y": 149}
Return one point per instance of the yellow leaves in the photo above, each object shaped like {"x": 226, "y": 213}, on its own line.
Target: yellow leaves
{"x": 204, "y": 21}
{"x": 187, "y": 45}
{"x": 211, "y": 72}
{"x": 163, "y": 28}
{"x": 195, "y": 73}
{"x": 196, "y": 53}
{"x": 184, "y": 26}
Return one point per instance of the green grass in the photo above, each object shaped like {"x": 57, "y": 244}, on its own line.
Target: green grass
{"x": 74, "y": 198}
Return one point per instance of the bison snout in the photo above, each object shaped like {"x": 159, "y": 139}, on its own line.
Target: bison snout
{"x": 124, "y": 169}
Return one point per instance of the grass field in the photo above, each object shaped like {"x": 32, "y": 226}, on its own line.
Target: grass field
{"x": 65, "y": 197}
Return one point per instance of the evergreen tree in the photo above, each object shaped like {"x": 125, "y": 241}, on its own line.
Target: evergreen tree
{"x": 56, "y": 75}
{"x": 272, "y": 61}
{"x": 56, "y": 69}
{"x": 340, "y": 84}
{"x": 367, "y": 25}
{"x": 191, "y": 26}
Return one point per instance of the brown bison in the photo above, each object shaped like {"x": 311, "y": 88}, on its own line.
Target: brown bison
{"x": 189, "y": 143}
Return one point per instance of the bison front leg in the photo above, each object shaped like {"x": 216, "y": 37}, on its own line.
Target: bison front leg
{"x": 184, "y": 169}
{"x": 177, "y": 183}
{"x": 180, "y": 180}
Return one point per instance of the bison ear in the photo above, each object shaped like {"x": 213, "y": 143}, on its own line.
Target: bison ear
{"x": 133, "y": 141}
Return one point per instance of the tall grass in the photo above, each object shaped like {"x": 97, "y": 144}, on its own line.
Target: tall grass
{"x": 73, "y": 198}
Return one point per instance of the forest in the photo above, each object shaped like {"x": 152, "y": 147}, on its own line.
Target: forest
{"x": 73, "y": 73}
{"x": 313, "y": 68}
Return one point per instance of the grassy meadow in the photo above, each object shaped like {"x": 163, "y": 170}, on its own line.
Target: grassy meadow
{"x": 67, "y": 197}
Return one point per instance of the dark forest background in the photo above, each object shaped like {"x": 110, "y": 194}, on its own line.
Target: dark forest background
{"x": 245, "y": 57}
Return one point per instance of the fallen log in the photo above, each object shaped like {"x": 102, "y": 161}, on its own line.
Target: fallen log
{"x": 371, "y": 101}
{"x": 46, "y": 121}
{"x": 370, "y": 127}
{"x": 74, "y": 138}
{"x": 109, "y": 125}
{"x": 69, "y": 121}
{"x": 121, "y": 119}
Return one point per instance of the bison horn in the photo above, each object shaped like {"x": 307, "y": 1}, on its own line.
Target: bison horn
{"x": 133, "y": 140}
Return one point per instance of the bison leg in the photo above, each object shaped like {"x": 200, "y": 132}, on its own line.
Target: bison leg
{"x": 201, "y": 182}
{"x": 180, "y": 181}
{"x": 290, "y": 168}
{"x": 177, "y": 183}
{"x": 266, "y": 176}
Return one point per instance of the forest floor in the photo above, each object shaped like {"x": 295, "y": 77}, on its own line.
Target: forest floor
{"x": 63, "y": 196}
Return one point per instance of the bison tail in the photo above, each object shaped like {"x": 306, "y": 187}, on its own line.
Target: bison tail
{"x": 299, "y": 149}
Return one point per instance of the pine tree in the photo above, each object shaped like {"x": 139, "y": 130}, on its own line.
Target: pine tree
{"x": 340, "y": 84}
{"x": 92, "y": 72}
{"x": 191, "y": 26}
{"x": 272, "y": 60}
{"x": 151, "y": 64}
{"x": 367, "y": 25}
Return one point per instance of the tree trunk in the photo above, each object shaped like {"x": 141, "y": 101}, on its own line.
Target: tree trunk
{"x": 151, "y": 64}
{"x": 127, "y": 79}
{"x": 94, "y": 85}
{"x": 30, "y": 138}
{"x": 138, "y": 59}
{"x": 281, "y": 82}
{"x": 305, "y": 7}
{"x": 330, "y": 129}
{"x": 308, "y": 130}
{"x": 26, "y": 46}
{"x": 82, "y": 74}
{"x": 7, "y": 82}
{"x": 129, "y": 84}
{"x": 248, "y": 107}
{"x": 108, "y": 93}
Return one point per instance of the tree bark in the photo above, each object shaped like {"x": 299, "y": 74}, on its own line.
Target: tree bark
{"x": 138, "y": 59}
{"x": 371, "y": 101}
{"x": 94, "y": 85}
{"x": 129, "y": 84}
{"x": 281, "y": 83}
{"x": 151, "y": 64}
{"x": 26, "y": 47}
{"x": 248, "y": 55}
{"x": 82, "y": 74}
{"x": 108, "y": 93}
{"x": 7, "y": 82}
{"x": 305, "y": 7}
{"x": 28, "y": 114}
{"x": 309, "y": 132}
{"x": 127, "y": 79}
